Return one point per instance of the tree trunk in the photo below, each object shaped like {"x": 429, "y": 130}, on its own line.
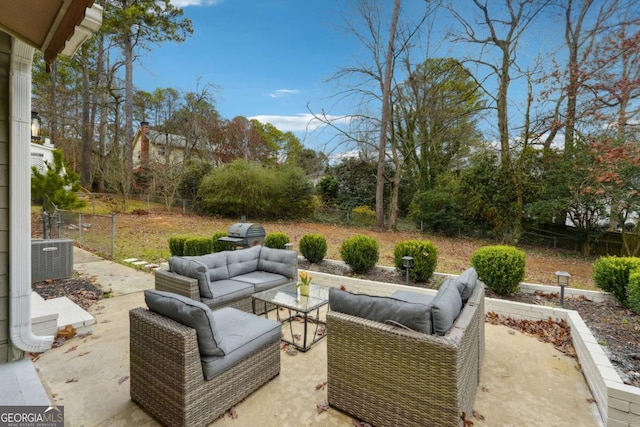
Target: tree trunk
{"x": 384, "y": 122}
{"x": 128, "y": 116}
{"x": 87, "y": 140}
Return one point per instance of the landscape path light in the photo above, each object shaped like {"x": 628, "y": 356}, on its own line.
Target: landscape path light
{"x": 563, "y": 281}
{"x": 407, "y": 263}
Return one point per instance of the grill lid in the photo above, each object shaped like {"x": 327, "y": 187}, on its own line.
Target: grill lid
{"x": 245, "y": 229}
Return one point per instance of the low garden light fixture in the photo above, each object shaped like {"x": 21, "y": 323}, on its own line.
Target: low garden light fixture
{"x": 563, "y": 281}
{"x": 407, "y": 263}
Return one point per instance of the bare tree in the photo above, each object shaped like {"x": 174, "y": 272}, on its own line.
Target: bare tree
{"x": 369, "y": 84}
{"x": 502, "y": 28}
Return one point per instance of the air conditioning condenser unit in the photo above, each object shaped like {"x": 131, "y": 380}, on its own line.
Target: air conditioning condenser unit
{"x": 51, "y": 259}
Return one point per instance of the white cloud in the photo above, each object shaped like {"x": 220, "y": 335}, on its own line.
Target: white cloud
{"x": 279, "y": 93}
{"x": 299, "y": 122}
{"x": 186, "y": 3}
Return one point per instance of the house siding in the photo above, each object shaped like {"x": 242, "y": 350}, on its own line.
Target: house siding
{"x": 5, "y": 50}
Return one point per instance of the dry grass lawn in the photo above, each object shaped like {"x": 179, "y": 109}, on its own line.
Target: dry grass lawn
{"x": 145, "y": 237}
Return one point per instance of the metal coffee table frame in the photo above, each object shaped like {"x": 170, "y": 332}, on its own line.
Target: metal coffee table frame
{"x": 288, "y": 297}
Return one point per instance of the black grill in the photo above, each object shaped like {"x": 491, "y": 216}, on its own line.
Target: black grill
{"x": 244, "y": 234}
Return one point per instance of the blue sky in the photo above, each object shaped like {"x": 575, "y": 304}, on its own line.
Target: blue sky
{"x": 269, "y": 58}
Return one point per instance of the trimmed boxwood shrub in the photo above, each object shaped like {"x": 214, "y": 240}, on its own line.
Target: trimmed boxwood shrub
{"x": 611, "y": 274}
{"x": 218, "y": 246}
{"x": 633, "y": 290}
{"x": 198, "y": 246}
{"x": 313, "y": 247}
{"x": 425, "y": 258}
{"x": 500, "y": 267}
{"x": 276, "y": 240}
{"x": 176, "y": 245}
{"x": 360, "y": 253}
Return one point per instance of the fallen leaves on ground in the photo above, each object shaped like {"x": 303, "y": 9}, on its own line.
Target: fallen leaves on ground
{"x": 557, "y": 332}
{"x": 72, "y": 348}
{"x": 71, "y": 380}
{"x": 123, "y": 379}
{"x": 321, "y": 386}
{"x": 322, "y": 406}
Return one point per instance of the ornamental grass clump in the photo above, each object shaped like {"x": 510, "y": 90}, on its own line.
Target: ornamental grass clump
{"x": 500, "y": 267}
{"x": 360, "y": 253}
{"x": 313, "y": 247}
{"x": 425, "y": 258}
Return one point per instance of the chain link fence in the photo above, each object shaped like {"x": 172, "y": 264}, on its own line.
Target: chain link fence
{"x": 97, "y": 233}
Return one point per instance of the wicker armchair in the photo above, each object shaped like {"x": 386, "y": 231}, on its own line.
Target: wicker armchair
{"x": 390, "y": 376}
{"x": 167, "y": 379}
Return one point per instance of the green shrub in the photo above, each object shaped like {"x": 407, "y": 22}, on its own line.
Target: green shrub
{"x": 198, "y": 246}
{"x": 364, "y": 216}
{"x": 313, "y": 247}
{"x": 425, "y": 258}
{"x": 500, "y": 267}
{"x": 360, "y": 253}
{"x": 611, "y": 274}
{"x": 176, "y": 245}
{"x": 633, "y": 290}
{"x": 218, "y": 246}
{"x": 276, "y": 240}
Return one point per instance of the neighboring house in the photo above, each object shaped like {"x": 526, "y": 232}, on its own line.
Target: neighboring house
{"x": 152, "y": 145}
{"x": 41, "y": 154}
{"x": 53, "y": 27}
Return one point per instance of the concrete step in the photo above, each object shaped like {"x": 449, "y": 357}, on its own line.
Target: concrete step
{"x": 49, "y": 316}
{"x": 21, "y": 385}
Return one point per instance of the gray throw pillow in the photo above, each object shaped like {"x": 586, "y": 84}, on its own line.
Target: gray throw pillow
{"x": 467, "y": 281}
{"x": 190, "y": 267}
{"x": 382, "y": 309}
{"x": 445, "y": 307}
{"x": 188, "y": 312}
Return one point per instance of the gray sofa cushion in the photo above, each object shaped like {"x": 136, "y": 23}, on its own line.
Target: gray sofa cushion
{"x": 226, "y": 291}
{"x": 279, "y": 261}
{"x": 243, "y": 261}
{"x": 467, "y": 281}
{"x": 243, "y": 334}
{"x": 382, "y": 309}
{"x": 190, "y": 267}
{"x": 216, "y": 264}
{"x": 193, "y": 314}
{"x": 261, "y": 280}
{"x": 414, "y": 297}
{"x": 445, "y": 307}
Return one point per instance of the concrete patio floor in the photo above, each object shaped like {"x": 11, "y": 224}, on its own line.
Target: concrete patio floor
{"x": 524, "y": 382}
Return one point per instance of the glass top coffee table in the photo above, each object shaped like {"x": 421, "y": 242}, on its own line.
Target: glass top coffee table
{"x": 299, "y": 308}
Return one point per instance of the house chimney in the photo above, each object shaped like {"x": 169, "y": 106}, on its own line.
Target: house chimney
{"x": 144, "y": 143}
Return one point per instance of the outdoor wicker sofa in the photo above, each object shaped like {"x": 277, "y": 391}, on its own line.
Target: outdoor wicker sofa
{"x": 175, "y": 382}
{"x": 228, "y": 278}
{"x": 389, "y": 375}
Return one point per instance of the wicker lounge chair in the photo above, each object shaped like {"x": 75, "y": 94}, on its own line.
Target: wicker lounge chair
{"x": 167, "y": 377}
{"x": 390, "y": 376}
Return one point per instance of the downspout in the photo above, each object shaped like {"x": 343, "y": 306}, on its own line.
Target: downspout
{"x": 19, "y": 174}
